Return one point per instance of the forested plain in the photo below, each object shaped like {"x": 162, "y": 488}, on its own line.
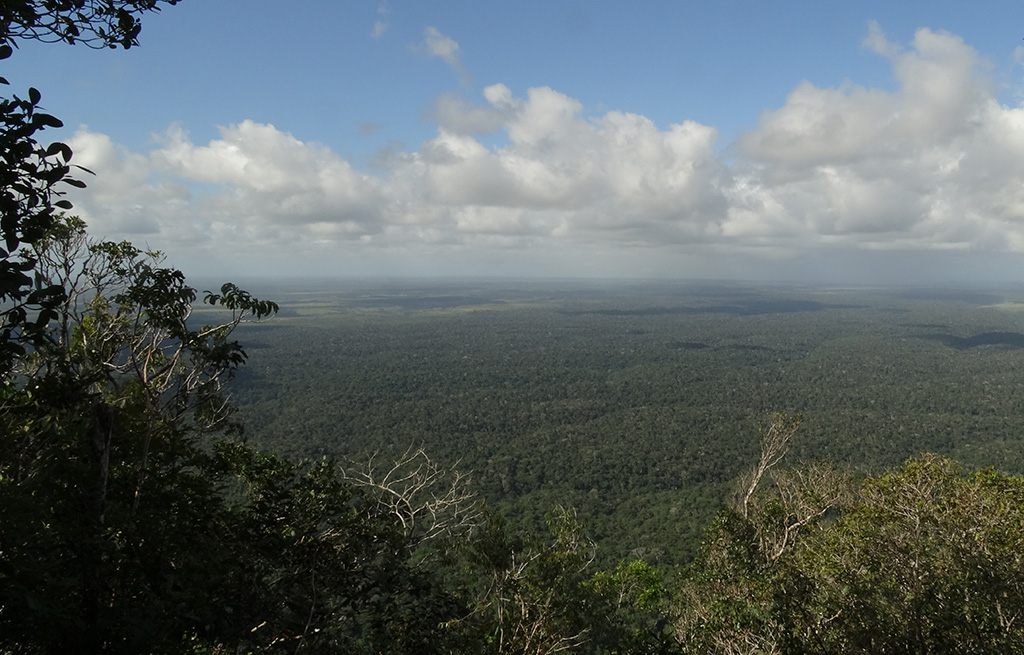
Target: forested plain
{"x": 636, "y": 403}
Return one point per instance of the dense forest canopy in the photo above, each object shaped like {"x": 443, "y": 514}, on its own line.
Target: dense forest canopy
{"x": 634, "y": 402}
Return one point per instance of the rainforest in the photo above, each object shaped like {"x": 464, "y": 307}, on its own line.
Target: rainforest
{"x": 635, "y": 402}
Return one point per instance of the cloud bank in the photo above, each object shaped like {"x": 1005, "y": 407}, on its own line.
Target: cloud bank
{"x": 933, "y": 166}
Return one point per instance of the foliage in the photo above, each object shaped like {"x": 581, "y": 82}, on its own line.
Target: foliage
{"x": 96, "y": 23}
{"x": 33, "y": 176}
{"x": 131, "y": 524}
{"x": 925, "y": 560}
{"x": 544, "y": 396}
{"x": 124, "y": 333}
{"x": 634, "y": 605}
{"x": 797, "y": 498}
{"x": 429, "y": 502}
{"x": 31, "y": 179}
{"x": 535, "y": 595}
{"x": 928, "y": 561}
{"x": 133, "y": 520}
{"x": 317, "y": 564}
{"x": 109, "y": 517}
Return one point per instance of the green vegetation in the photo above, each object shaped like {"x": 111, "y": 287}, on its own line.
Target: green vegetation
{"x": 923, "y": 559}
{"x": 632, "y": 402}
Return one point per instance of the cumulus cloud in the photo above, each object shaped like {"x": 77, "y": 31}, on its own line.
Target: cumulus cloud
{"x": 930, "y": 166}
{"x": 253, "y": 187}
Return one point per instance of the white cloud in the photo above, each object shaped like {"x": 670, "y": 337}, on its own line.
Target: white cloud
{"x": 930, "y": 166}
{"x": 253, "y": 188}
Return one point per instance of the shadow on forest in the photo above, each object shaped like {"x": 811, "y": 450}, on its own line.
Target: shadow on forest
{"x": 687, "y": 345}
{"x": 748, "y": 308}
{"x": 958, "y": 295}
{"x": 1014, "y": 339}
{"x": 697, "y": 345}
{"x": 428, "y": 302}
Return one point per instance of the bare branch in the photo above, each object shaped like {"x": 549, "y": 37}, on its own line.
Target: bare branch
{"x": 776, "y": 432}
{"x": 430, "y": 501}
{"x": 805, "y": 495}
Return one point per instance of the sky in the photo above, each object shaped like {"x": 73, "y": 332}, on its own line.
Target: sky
{"x": 847, "y": 143}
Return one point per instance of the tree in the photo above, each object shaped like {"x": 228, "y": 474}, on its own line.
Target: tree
{"x": 738, "y": 596}
{"x": 534, "y": 595}
{"x": 796, "y": 498}
{"x": 33, "y": 176}
{"x": 929, "y": 560}
{"x": 924, "y": 559}
{"x": 107, "y": 508}
{"x": 775, "y": 433}
{"x": 533, "y": 591}
{"x": 132, "y": 519}
{"x": 318, "y": 565}
{"x": 430, "y": 502}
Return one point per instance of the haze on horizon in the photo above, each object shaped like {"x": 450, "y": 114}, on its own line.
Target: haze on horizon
{"x": 860, "y": 145}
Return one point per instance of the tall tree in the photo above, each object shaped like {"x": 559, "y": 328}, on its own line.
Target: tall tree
{"x": 33, "y": 176}
{"x": 105, "y": 495}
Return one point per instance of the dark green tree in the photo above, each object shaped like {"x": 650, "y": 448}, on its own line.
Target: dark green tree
{"x": 107, "y": 509}
{"x": 33, "y": 176}
{"x": 318, "y": 564}
{"x": 133, "y": 520}
{"x": 537, "y": 595}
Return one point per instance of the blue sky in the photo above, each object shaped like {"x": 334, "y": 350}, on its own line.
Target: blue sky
{"x": 861, "y": 142}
